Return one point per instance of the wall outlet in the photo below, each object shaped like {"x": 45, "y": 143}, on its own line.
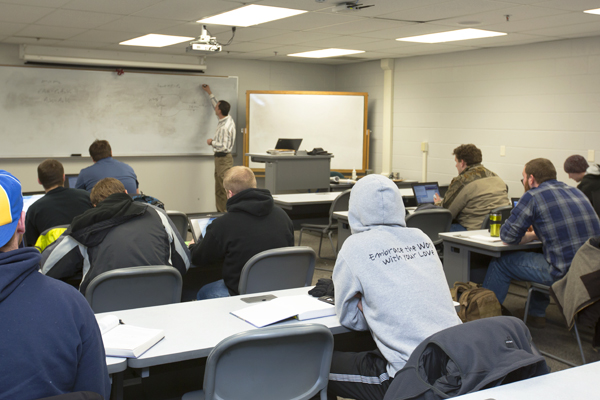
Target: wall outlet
{"x": 502, "y": 151}
{"x": 591, "y": 156}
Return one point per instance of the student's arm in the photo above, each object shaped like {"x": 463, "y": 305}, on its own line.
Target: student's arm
{"x": 209, "y": 252}
{"x": 515, "y": 229}
{"x": 456, "y": 185}
{"x": 348, "y": 297}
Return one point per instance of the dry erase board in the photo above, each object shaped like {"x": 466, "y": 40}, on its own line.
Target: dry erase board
{"x": 335, "y": 121}
{"x": 56, "y": 112}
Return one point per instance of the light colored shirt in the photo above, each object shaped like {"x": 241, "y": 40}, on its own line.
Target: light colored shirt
{"x": 225, "y": 136}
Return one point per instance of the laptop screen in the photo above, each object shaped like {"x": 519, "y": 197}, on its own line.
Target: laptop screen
{"x": 200, "y": 224}
{"x": 70, "y": 180}
{"x": 424, "y": 192}
{"x": 29, "y": 200}
{"x": 288, "y": 144}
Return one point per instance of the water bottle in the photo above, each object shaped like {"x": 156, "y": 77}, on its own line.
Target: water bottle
{"x": 495, "y": 223}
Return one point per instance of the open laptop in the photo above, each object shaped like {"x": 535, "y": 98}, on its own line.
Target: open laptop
{"x": 70, "y": 180}
{"x": 28, "y": 200}
{"x": 200, "y": 223}
{"x": 424, "y": 192}
{"x": 288, "y": 144}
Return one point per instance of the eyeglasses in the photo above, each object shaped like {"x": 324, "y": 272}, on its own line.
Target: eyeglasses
{"x": 522, "y": 182}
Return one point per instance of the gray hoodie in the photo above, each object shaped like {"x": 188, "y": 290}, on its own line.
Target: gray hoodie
{"x": 405, "y": 297}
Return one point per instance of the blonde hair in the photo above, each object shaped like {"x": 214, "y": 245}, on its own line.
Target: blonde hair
{"x": 239, "y": 178}
{"x": 105, "y": 188}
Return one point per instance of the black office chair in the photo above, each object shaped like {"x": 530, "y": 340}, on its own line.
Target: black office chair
{"x": 339, "y": 204}
{"x": 504, "y": 210}
{"x": 432, "y": 222}
{"x": 181, "y": 222}
{"x": 278, "y": 269}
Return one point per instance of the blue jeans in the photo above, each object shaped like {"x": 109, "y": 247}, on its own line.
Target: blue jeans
{"x": 213, "y": 290}
{"x": 457, "y": 228}
{"x": 522, "y": 266}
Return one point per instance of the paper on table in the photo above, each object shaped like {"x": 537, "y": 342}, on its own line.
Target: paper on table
{"x": 485, "y": 238}
{"x": 126, "y": 340}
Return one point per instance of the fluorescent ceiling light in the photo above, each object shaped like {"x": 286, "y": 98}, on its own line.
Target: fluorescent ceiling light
{"x": 325, "y": 53}
{"x": 251, "y": 15}
{"x": 595, "y": 11}
{"x": 461, "y": 34}
{"x": 155, "y": 40}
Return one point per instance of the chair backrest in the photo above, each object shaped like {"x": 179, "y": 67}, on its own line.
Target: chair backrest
{"x": 134, "y": 287}
{"x": 181, "y": 222}
{"x": 339, "y": 204}
{"x": 504, "y": 210}
{"x": 277, "y": 269}
{"x": 431, "y": 221}
{"x": 275, "y": 363}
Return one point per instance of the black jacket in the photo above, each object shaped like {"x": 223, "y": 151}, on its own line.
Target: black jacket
{"x": 466, "y": 358}
{"x": 252, "y": 225}
{"x": 58, "y": 207}
{"x": 118, "y": 233}
{"x": 589, "y": 184}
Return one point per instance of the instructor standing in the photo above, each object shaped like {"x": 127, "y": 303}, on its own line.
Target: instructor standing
{"x": 222, "y": 146}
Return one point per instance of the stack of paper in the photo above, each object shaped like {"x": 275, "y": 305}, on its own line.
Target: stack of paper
{"x": 281, "y": 152}
{"x": 126, "y": 340}
{"x": 302, "y": 307}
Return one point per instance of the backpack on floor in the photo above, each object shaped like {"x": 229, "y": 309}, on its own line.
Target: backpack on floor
{"x": 475, "y": 302}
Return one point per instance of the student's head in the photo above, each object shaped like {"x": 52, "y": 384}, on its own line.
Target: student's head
{"x": 51, "y": 174}
{"x": 105, "y": 188}
{"x": 224, "y": 107}
{"x": 538, "y": 171}
{"x": 12, "y": 217}
{"x": 466, "y": 155}
{"x": 237, "y": 179}
{"x": 575, "y": 166}
{"x": 100, "y": 149}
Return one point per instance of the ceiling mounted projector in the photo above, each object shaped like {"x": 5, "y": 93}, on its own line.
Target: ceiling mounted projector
{"x": 205, "y": 44}
{"x": 349, "y": 6}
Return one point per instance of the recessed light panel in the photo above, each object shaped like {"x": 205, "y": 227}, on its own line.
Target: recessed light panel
{"x": 155, "y": 40}
{"x": 451, "y": 36}
{"x": 325, "y": 53}
{"x": 251, "y": 15}
{"x": 594, "y": 11}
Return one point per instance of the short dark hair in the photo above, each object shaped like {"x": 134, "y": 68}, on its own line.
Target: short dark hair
{"x": 575, "y": 164}
{"x": 469, "y": 153}
{"x": 224, "y": 107}
{"x": 239, "y": 178}
{"x": 105, "y": 188}
{"x": 542, "y": 170}
{"x": 100, "y": 149}
{"x": 51, "y": 173}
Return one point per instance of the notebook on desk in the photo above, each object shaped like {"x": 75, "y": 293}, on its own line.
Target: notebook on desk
{"x": 425, "y": 191}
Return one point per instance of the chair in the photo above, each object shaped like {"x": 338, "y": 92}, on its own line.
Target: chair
{"x": 339, "y": 204}
{"x": 504, "y": 210}
{"x": 276, "y": 363}
{"x": 432, "y": 222}
{"x": 134, "y": 287}
{"x": 277, "y": 269}
{"x": 181, "y": 222}
{"x": 538, "y": 287}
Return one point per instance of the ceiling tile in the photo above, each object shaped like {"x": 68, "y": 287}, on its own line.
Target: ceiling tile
{"x": 26, "y": 40}
{"x": 195, "y": 29}
{"x": 549, "y": 22}
{"x": 187, "y": 10}
{"x": 252, "y": 33}
{"x": 516, "y": 14}
{"x": 8, "y": 28}
{"x": 17, "y": 13}
{"x": 361, "y": 26}
{"x": 569, "y": 31}
{"x": 122, "y": 7}
{"x": 298, "y": 37}
{"x": 138, "y": 24}
{"x": 347, "y": 42}
{"x": 447, "y": 10}
{"x": 49, "y": 32}
{"x": 102, "y": 36}
{"x": 310, "y": 20}
{"x": 77, "y": 19}
{"x": 572, "y": 5}
{"x": 82, "y": 44}
{"x": 39, "y": 3}
{"x": 246, "y": 47}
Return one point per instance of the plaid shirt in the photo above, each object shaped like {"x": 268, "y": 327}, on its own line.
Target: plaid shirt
{"x": 562, "y": 218}
{"x": 225, "y": 135}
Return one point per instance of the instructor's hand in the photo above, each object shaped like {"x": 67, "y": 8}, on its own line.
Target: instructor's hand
{"x": 209, "y": 142}
{"x": 206, "y": 88}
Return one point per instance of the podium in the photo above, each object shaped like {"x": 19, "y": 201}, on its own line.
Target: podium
{"x": 298, "y": 172}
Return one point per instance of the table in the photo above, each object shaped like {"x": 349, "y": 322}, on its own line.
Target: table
{"x": 306, "y": 207}
{"x": 298, "y": 172}
{"x": 459, "y": 246}
{"x": 573, "y": 383}
{"x": 116, "y": 366}
{"x": 194, "y": 328}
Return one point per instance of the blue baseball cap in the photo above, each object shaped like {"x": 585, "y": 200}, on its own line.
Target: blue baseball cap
{"x": 11, "y": 205}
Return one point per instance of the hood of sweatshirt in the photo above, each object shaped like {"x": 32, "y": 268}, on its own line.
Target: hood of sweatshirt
{"x": 257, "y": 202}
{"x": 374, "y": 201}
{"x": 15, "y": 266}
{"x": 91, "y": 227}
{"x": 593, "y": 169}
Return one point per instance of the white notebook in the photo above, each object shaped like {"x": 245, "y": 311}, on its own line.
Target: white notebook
{"x": 126, "y": 340}
{"x": 302, "y": 307}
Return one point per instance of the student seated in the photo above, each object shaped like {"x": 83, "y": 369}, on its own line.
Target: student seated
{"x": 561, "y": 217}
{"x": 389, "y": 280}
{"x": 50, "y": 343}
{"x": 116, "y": 233}
{"x": 58, "y": 207}
{"x": 586, "y": 175}
{"x": 474, "y": 192}
{"x": 252, "y": 225}
{"x": 106, "y": 167}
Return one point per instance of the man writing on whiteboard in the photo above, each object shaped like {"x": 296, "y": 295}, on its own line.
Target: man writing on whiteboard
{"x": 222, "y": 145}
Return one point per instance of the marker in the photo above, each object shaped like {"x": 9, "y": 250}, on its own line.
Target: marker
{"x": 76, "y": 155}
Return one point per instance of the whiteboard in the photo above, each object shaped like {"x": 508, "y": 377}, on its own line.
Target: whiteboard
{"x": 54, "y": 112}
{"x": 335, "y": 121}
